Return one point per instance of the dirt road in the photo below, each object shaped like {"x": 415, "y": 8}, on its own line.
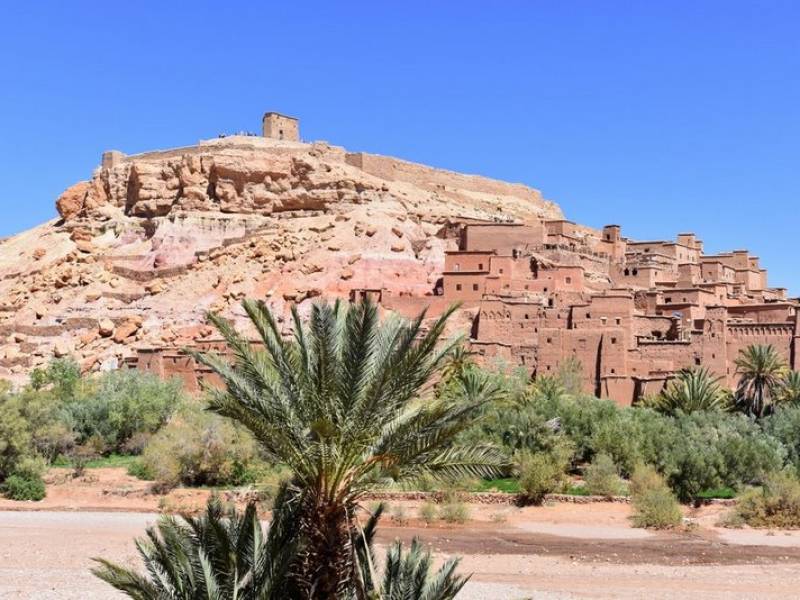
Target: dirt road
{"x": 47, "y": 555}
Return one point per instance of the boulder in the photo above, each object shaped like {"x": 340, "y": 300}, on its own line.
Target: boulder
{"x": 105, "y": 327}
{"x": 126, "y": 330}
{"x": 70, "y": 203}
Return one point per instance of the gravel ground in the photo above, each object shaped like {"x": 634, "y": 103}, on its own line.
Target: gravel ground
{"x": 47, "y": 555}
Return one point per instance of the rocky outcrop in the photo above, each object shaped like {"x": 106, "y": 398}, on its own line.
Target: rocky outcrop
{"x": 152, "y": 242}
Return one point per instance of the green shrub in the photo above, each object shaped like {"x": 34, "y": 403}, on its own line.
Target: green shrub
{"x": 653, "y": 503}
{"x": 428, "y": 512}
{"x": 20, "y": 487}
{"x": 601, "y": 477}
{"x": 199, "y": 448}
{"x": 454, "y": 511}
{"x": 122, "y": 406}
{"x": 719, "y": 450}
{"x": 545, "y": 472}
{"x": 139, "y": 470}
{"x": 784, "y": 426}
{"x": 775, "y": 504}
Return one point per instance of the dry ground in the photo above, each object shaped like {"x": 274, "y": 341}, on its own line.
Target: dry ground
{"x": 558, "y": 551}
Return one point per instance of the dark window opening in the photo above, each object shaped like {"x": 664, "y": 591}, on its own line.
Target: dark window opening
{"x": 458, "y": 287}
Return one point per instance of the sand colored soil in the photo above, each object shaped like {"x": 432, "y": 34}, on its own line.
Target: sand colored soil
{"x": 557, "y": 551}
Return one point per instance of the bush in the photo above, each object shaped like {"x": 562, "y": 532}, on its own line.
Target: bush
{"x": 121, "y": 407}
{"x": 653, "y": 503}
{"x": 428, "y": 512}
{"x": 784, "y": 426}
{"x": 454, "y": 511}
{"x": 22, "y": 487}
{"x": 718, "y": 450}
{"x": 545, "y": 472}
{"x": 775, "y": 504}
{"x": 601, "y": 477}
{"x": 200, "y": 448}
{"x": 398, "y": 515}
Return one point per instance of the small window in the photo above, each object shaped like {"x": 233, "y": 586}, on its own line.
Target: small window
{"x": 667, "y": 300}
{"x": 613, "y": 340}
{"x": 613, "y": 371}
{"x": 697, "y": 361}
{"x": 550, "y": 303}
{"x": 458, "y": 287}
{"x": 569, "y": 279}
{"x": 549, "y": 340}
{"x": 480, "y": 266}
{"x": 526, "y": 315}
{"x": 501, "y": 271}
{"x": 474, "y": 287}
{"x": 588, "y": 315}
{"x": 618, "y": 321}
{"x": 635, "y": 272}
{"x": 545, "y": 289}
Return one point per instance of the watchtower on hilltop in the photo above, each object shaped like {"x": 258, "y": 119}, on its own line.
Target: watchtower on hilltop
{"x": 280, "y": 127}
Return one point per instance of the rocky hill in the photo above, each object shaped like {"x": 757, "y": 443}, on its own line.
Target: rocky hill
{"x": 151, "y": 242}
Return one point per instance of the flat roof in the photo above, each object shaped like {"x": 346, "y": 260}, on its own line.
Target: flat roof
{"x": 277, "y": 114}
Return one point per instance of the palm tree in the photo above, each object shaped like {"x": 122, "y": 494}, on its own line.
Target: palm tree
{"x": 790, "y": 388}
{"x": 760, "y": 370}
{"x": 220, "y": 555}
{"x": 340, "y": 404}
{"x": 459, "y": 362}
{"x": 225, "y": 556}
{"x": 407, "y": 575}
{"x": 691, "y": 390}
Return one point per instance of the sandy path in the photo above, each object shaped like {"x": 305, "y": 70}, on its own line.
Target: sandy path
{"x": 46, "y": 555}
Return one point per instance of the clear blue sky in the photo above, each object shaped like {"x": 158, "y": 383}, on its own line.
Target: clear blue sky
{"x": 660, "y": 116}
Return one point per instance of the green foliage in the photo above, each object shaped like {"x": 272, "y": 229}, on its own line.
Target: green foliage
{"x": 542, "y": 473}
{"x": 221, "y": 555}
{"x": 789, "y": 391}
{"x": 691, "y": 390}
{"x": 409, "y": 575}
{"x": 761, "y": 371}
{"x": 784, "y": 426}
{"x": 775, "y": 504}
{"x": 26, "y": 483}
{"x": 654, "y": 506}
{"x": 17, "y": 487}
{"x": 509, "y": 485}
{"x": 714, "y": 449}
{"x": 121, "y": 406}
{"x": 199, "y": 448}
{"x": 602, "y": 478}
{"x": 725, "y": 493}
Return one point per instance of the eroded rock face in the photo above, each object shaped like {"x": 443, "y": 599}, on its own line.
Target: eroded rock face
{"x": 152, "y": 242}
{"x": 70, "y": 203}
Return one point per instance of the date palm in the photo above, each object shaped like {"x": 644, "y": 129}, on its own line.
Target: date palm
{"x": 343, "y": 404}
{"x": 790, "y": 388}
{"x": 224, "y": 555}
{"x": 221, "y": 555}
{"x": 760, "y": 369}
{"x": 691, "y": 390}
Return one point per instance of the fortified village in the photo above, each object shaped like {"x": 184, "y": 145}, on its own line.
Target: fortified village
{"x": 153, "y": 241}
